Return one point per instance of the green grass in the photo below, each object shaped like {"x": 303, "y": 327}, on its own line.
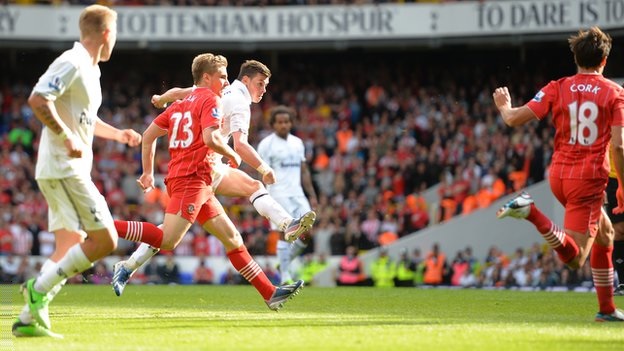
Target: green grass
{"x": 236, "y": 318}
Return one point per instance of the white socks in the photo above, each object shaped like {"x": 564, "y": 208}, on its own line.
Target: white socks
{"x": 297, "y": 248}
{"x": 269, "y": 208}
{"x": 142, "y": 254}
{"x": 74, "y": 262}
{"x": 25, "y": 316}
{"x": 283, "y": 257}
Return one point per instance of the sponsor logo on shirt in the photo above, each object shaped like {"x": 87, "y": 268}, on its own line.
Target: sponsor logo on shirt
{"x": 190, "y": 209}
{"x": 538, "y": 97}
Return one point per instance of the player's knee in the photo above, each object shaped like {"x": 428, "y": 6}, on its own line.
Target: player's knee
{"x": 575, "y": 263}
{"x": 168, "y": 244}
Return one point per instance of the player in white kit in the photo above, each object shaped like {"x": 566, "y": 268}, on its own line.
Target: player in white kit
{"x": 66, "y": 100}
{"x": 249, "y": 87}
{"x": 285, "y": 154}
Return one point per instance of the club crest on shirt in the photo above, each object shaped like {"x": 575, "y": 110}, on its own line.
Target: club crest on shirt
{"x": 190, "y": 209}
{"x": 538, "y": 97}
{"x": 56, "y": 84}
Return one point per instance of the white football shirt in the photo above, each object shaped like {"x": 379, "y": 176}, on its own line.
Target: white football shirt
{"x": 285, "y": 157}
{"x": 72, "y": 82}
{"x": 236, "y": 102}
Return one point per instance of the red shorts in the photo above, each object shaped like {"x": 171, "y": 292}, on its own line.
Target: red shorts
{"x": 192, "y": 198}
{"x": 582, "y": 199}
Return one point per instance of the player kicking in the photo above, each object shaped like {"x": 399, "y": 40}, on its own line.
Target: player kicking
{"x": 285, "y": 153}
{"x": 249, "y": 87}
{"x": 192, "y": 125}
{"x": 588, "y": 114}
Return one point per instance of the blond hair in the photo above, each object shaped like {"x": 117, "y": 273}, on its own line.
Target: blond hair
{"x": 206, "y": 63}
{"x": 96, "y": 19}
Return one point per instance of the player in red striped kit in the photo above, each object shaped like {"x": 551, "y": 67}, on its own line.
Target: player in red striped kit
{"x": 192, "y": 125}
{"x": 588, "y": 114}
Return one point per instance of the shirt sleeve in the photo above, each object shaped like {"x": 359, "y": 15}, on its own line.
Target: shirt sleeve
{"x": 542, "y": 102}
{"x": 55, "y": 81}
{"x": 211, "y": 113}
{"x": 162, "y": 121}
{"x": 240, "y": 117}
{"x": 618, "y": 109}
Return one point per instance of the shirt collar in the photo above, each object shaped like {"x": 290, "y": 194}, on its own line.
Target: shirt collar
{"x": 83, "y": 52}
{"x": 237, "y": 84}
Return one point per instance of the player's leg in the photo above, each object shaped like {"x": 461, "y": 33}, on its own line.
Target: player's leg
{"x": 617, "y": 221}
{"x": 92, "y": 211}
{"x": 618, "y": 256}
{"x": 187, "y": 196}
{"x": 286, "y": 251}
{"x": 236, "y": 183}
{"x": 523, "y": 207}
{"x": 216, "y": 222}
{"x": 64, "y": 239}
{"x": 602, "y": 271}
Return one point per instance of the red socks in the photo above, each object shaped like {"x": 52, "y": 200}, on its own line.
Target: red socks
{"x": 249, "y": 269}
{"x": 565, "y": 247}
{"x": 140, "y": 232}
{"x": 602, "y": 272}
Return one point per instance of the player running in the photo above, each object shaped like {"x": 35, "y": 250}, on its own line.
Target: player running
{"x": 588, "y": 114}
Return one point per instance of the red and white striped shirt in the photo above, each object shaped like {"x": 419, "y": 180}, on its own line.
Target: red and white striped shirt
{"x": 584, "y": 108}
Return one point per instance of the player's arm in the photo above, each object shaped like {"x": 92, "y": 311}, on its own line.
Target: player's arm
{"x": 46, "y": 112}
{"x": 251, "y": 157}
{"x": 213, "y": 139}
{"x": 171, "y": 95}
{"x": 512, "y": 116}
{"x": 124, "y": 136}
{"x": 308, "y": 186}
{"x": 148, "y": 151}
{"x": 617, "y": 153}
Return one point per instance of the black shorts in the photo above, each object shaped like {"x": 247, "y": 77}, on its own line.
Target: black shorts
{"x": 612, "y": 186}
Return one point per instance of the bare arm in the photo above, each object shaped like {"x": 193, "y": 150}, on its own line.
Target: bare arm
{"x": 171, "y": 95}
{"x": 512, "y": 116}
{"x": 306, "y": 181}
{"x": 45, "y": 111}
{"x": 148, "y": 150}
{"x": 124, "y": 136}
{"x": 251, "y": 157}
{"x": 212, "y": 138}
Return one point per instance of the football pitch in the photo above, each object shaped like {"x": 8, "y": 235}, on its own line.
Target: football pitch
{"x": 236, "y": 318}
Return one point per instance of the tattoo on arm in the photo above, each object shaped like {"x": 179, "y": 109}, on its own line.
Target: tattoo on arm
{"x": 45, "y": 115}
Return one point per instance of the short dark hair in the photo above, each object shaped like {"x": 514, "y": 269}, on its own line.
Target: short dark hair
{"x": 281, "y": 109}
{"x": 590, "y": 47}
{"x": 251, "y": 68}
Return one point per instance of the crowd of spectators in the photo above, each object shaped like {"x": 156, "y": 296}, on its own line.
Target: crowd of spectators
{"x": 534, "y": 268}
{"x": 376, "y": 137}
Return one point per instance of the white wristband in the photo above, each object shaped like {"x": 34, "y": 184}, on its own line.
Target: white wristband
{"x": 263, "y": 168}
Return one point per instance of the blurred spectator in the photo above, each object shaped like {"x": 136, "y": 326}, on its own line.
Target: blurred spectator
{"x": 435, "y": 266}
{"x": 405, "y": 270}
{"x": 383, "y": 270}
{"x": 203, "y": 274}
{"x": 169, "y": 272}
{"x": 101, "y": 274}
{"x": 350, "y": 270}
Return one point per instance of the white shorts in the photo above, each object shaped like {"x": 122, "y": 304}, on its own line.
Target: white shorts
{"x": 219, "y": 169}
{"x": 75, "y": 204}
{"x": 296, "y": 206}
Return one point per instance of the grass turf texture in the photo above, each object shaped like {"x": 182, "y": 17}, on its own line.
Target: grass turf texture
{"x": 236, "y": 318}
